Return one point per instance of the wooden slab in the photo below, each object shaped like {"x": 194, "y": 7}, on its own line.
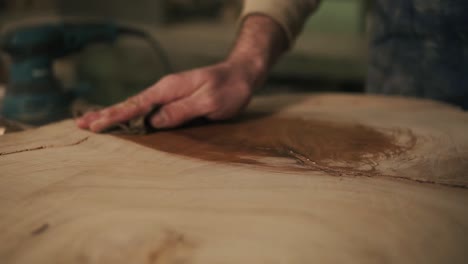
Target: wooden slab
{"x": 212, "y": 194}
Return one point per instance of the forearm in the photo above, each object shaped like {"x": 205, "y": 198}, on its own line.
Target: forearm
{"x": 269, "y": 28}
{"x": 260, "y": 43}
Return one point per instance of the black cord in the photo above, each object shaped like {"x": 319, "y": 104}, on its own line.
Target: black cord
{"x": 155, "y": 45}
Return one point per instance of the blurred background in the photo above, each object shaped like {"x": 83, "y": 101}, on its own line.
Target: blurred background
{"x": 330, "y": 55}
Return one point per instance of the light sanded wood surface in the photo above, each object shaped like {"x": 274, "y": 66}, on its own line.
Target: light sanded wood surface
{"x": 69, "y": 196}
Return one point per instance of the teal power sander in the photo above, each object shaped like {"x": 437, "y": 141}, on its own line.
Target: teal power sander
{"x": 34, "y": 95}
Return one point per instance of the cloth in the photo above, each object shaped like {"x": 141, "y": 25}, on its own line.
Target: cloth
{"x": 418, "y": 47}
{"x": 136, "y": 126}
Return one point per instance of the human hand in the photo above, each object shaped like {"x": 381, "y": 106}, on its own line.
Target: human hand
{"x": 216, "y": 92}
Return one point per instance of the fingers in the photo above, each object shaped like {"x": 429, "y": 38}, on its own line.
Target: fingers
{"x": 205, "y": 92}
{"x": 181, "y": 111}
{"x": 98, "y": 121}
{"x": 167, "y": 90}
{"x": 84, "y": 121}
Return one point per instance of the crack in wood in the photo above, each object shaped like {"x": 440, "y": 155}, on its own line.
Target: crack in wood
{"x": 44, "y": 147}
{"x": 40, "y": 229}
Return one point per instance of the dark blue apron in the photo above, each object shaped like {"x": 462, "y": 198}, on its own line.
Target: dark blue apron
{"x": 420, "y": 48}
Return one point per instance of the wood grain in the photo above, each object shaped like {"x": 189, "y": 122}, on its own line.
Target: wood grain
{"x": 69, "y": 196}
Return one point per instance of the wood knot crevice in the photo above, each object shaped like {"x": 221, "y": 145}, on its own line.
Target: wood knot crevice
{"x": 174, "y": 248}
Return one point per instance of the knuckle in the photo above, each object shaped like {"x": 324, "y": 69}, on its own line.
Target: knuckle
{"x": 213, "y": 80}
{"x": 204, "y": 73}
{"x": 111, "y": 112}
{"x": 134, "y": 101}
{"x": 139, "y": 102}
{"x": 170, "y": 79}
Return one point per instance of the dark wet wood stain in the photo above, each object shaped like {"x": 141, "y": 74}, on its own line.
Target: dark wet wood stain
{"x": 301, "y": 144}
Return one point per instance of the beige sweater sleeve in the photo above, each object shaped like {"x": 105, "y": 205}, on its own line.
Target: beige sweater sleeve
{"x": 290, "y": 14}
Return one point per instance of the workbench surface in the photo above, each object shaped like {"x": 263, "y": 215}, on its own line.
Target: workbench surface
{"x": 327, "y": 178}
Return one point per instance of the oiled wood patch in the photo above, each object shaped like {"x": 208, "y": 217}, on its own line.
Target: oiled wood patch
{"x": 282, "y": 142}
